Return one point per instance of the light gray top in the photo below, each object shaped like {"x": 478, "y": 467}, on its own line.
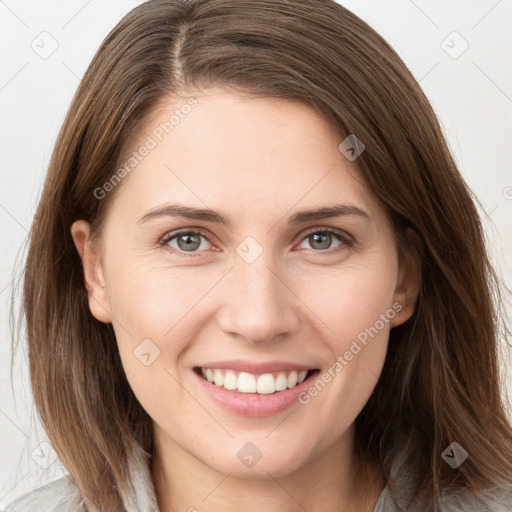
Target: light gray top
{"x": 62, "y": 495}
{"x": 499, "y": 501}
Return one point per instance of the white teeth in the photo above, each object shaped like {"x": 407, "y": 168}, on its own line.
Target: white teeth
{"x": 218, "y": 378}
{"x": 266, "y": 384}
{"x": 230, "y": 381}
{"x": 292, "y": 379}
{"x": 281, "y": 382}
{"x": 245, "y": 382}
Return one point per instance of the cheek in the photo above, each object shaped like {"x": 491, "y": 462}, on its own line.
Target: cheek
{"x": 156, "y": 310}
{"x": 153, "y": 310}
{"x": 350, "y": 299}
{"x": 356, "y": 308}
{"x": 150, "y": 297}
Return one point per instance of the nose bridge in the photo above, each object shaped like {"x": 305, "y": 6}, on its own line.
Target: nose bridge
{"x": 259, "y": 306}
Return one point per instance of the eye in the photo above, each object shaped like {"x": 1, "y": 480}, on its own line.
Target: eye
{"x": 185, "y": 241}
{"x": 322, "y": 239}
{"x": 190, "y": 241}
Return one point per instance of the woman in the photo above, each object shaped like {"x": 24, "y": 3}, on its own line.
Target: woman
{"x": 257, "y": 280}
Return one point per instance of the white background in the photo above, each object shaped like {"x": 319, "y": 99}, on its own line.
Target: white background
{"x": 472, "y": 94}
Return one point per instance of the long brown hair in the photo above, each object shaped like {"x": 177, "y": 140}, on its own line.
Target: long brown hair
{"x": 440, "y": 382}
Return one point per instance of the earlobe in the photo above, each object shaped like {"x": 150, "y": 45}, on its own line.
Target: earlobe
{"x": 93, "y": 273}
{"x": 408, "y": 285}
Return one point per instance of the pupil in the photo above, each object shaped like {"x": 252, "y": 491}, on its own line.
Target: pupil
{"x": 326, "y": 236}
{"x": 185, "y": 242}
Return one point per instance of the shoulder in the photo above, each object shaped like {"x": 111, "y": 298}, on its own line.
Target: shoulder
{"x": 496, "y": 500}
{"x": 61, "y": 495}
{"x": 398, "y": 496}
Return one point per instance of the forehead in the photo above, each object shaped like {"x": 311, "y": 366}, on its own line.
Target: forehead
{"x": 254, "y": 155}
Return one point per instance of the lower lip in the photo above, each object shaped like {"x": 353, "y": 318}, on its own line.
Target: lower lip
{"x": 253, "y": 404}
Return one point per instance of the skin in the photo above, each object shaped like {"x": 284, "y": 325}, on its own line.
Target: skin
{"x": 257, "y": 161}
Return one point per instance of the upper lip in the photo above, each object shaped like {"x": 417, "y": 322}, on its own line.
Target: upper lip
{"x": 242, "y": 365}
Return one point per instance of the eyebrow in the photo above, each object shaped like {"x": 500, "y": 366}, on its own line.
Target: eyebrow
{"x": 189, "y": 212}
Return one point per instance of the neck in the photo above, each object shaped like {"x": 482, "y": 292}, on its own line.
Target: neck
{"x": 331, "y": 481}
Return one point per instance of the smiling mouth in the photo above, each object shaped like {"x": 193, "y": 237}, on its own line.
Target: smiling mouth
{"x": 261, "y": 384}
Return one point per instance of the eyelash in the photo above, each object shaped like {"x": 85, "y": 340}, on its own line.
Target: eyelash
{"x": 347, "y": 241}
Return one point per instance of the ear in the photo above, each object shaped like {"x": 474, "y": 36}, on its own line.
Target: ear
{"x": 93, "y": 273}
{"x": 408, "y": 281}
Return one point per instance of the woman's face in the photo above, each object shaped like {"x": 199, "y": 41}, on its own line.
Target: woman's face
{"x": 266, "y": 292}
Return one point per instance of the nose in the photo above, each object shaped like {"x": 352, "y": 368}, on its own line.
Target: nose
{"x": 258, "y": 303}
